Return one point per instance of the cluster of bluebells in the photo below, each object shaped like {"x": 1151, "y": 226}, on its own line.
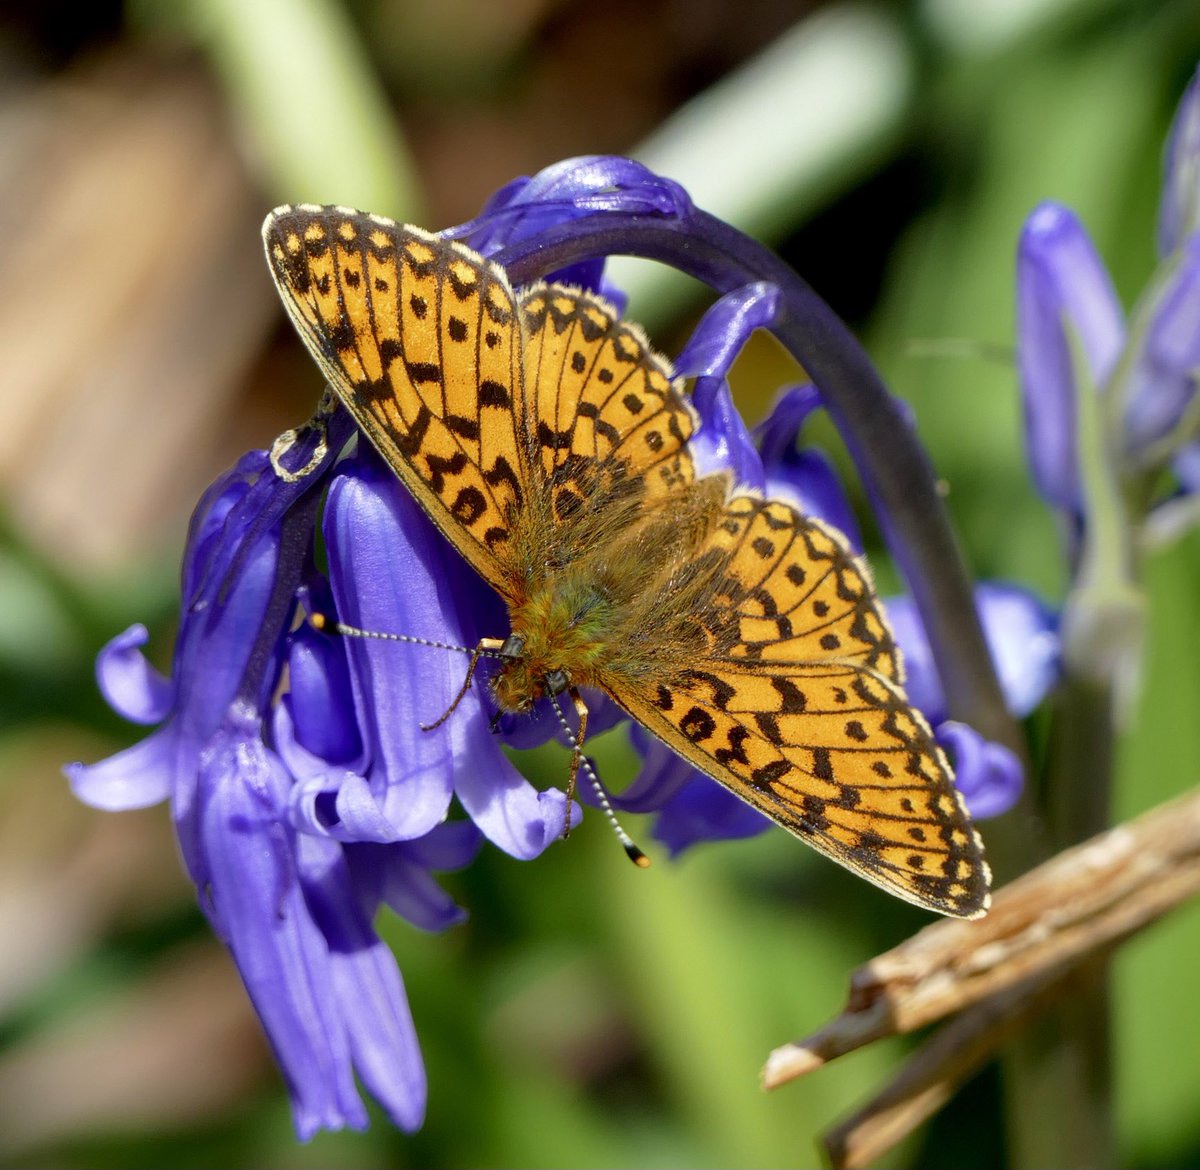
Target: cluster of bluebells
{"x": 304, "y": 791}
{"x": 1111, "y": 408}
{"x": 1076, "y": 342}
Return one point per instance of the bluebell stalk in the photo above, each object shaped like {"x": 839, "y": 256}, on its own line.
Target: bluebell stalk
{"x": 306, "y": 794}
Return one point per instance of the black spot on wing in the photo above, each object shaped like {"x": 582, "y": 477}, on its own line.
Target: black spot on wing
{"x": 698, "y": 725}
{"x": 493, "y": 394}
{"x": 468, "y": 505}
{"x": 423, "y": 372}
{"x": 440, "y": 467}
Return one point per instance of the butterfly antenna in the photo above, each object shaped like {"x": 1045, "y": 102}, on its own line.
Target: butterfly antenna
{"x": 487, "y": 648}
{"x": 580, "y": 760}
{"x": 462, "y": 692}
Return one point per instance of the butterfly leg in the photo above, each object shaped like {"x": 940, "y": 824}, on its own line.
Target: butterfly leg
{"x": 486, "y": 646}
{"x": 285, "y": 442}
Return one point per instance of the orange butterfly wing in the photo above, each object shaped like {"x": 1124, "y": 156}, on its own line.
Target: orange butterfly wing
{"x": 798, "y": 708}
{"x": 420, "y": 339}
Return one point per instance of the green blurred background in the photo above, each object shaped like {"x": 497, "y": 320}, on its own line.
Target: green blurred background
{"x": 588, "y": 1014}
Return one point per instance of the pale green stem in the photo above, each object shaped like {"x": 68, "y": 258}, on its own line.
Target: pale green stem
{"x": 1059, "y": 1087}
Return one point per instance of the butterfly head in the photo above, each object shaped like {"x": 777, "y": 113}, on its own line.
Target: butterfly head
{"x": 526, "y": 677}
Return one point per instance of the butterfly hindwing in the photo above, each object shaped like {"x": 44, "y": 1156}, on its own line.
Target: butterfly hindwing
{"x": 420, "y": 339}
{"x": 609, "y": 425}
{"x": 796, "y": 706}
{"x": 794, "y": 590}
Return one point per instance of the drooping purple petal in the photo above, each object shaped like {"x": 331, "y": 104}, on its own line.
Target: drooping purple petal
{"x": 777, "y": 433}
{"x": 398, "y": 875}
{"x": 722, "y": 440}
{"x": 662, "y": 774}
{"x": 449, "y": 847}
{"x": 704, "y": 811}
{"x": 383, "y": 1038}
{"x": 137, "y": 777}
{"x": 129, "y": 684}
{"x": 512, "y": 814}
{"x": 1063, "y": 292}
{"x": 988, "y": 774}
{"x": 246, "y": 863}
{"x": 416, "y": 897}
{"x": 365, "y": 984}
{"x": 1179, "y": 212}
{"x": 1163, "y": 381}
{"x": 725, "y": 328}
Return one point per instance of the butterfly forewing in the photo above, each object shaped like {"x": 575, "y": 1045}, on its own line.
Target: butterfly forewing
{"x": 608, "y": 421}
{"x": 420, "y": 340}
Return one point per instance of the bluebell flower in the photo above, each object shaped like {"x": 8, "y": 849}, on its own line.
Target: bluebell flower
{"x": 305, "y": 792}
{"x": 1179, "y": 211}
{"x": 1079, "y": 353}
{"x": 1071, "y": 332}
{"x": 294, "y": 907}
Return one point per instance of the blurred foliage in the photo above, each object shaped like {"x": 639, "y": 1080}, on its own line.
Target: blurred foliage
{"x": 588, "y": 1014}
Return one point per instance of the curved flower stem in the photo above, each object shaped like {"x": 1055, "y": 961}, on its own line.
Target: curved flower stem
{"x": 893, "y": 465}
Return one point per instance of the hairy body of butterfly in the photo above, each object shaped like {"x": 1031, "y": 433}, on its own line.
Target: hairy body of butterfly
{"x": 550, "y": 445}
{"x": 631, "y": 601}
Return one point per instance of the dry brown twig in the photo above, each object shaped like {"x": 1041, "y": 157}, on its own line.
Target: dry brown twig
{"x": 998, "y": 971}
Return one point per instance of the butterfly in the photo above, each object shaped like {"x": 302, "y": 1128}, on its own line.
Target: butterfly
{"x": 549, "y": 443}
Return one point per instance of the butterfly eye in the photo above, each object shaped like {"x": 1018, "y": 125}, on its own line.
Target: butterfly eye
{"x": 513, "y": 648}
{"x": 555, "y": 682}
